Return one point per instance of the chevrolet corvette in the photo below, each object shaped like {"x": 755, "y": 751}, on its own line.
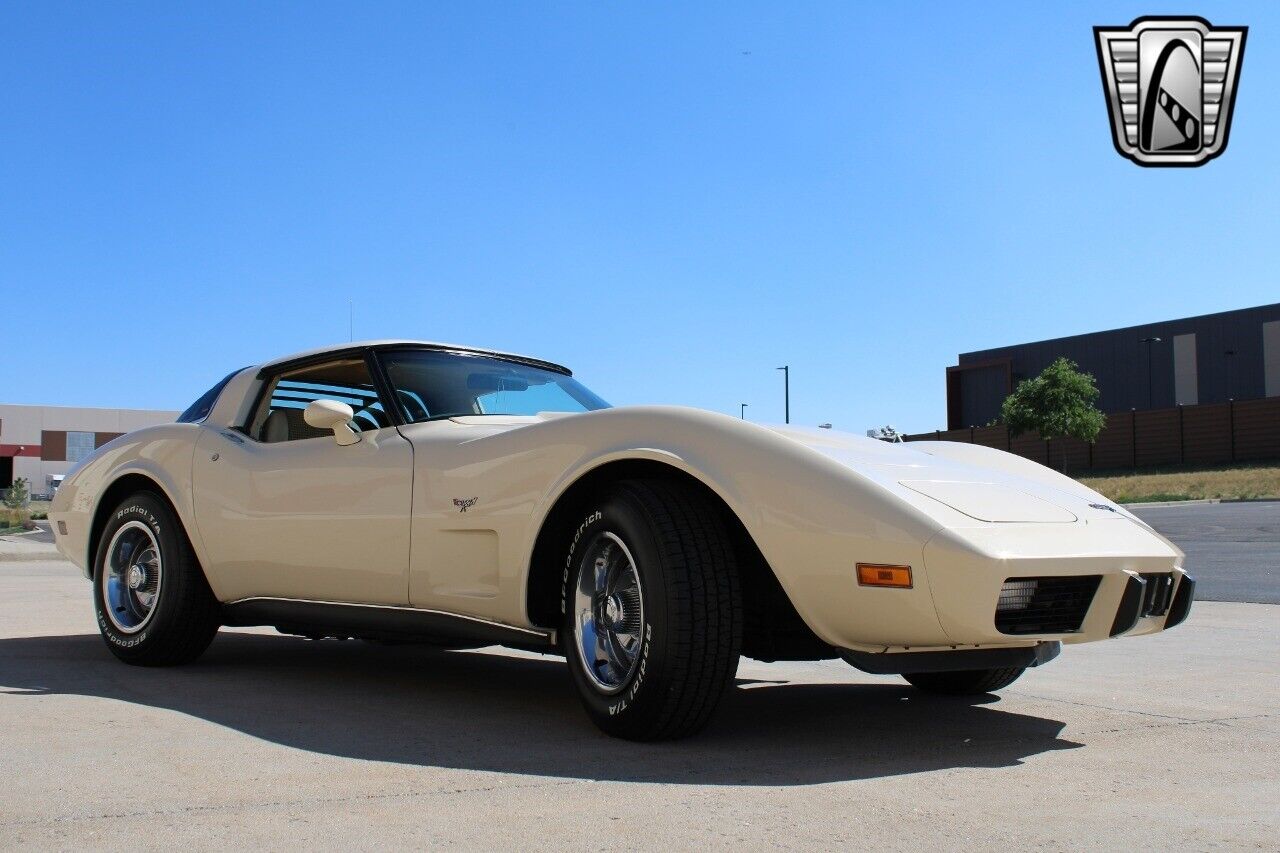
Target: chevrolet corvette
{"x": 401, "y": 491}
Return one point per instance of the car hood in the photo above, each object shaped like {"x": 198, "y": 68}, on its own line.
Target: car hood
{"x": 982, "y": 483}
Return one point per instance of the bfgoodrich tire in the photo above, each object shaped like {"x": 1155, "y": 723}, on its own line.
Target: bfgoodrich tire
{"x": 652, "y": 610}
{"x": 970, "y": 682}
{"x": 153, "y": 604}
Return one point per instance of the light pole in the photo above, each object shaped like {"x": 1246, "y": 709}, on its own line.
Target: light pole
{"x": 786, "y": 392}
{"x": 742, "y": 411}
{"x": 1149, "y": 342}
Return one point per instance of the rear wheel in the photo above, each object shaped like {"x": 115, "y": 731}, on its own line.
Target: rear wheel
{"x": 652, "y": 610}
{"x": 153, "y": 604}
{"x": 968, "y": 682}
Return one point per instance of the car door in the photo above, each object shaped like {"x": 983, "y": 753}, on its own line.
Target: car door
{"x": 285, "y": 511}
{"x": 478, "y": 476}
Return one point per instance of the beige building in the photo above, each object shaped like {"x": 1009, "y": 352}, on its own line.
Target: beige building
{"x": 42, "y": 443}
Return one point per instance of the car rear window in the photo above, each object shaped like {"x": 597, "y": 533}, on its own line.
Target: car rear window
{"x": 200, "y": 409}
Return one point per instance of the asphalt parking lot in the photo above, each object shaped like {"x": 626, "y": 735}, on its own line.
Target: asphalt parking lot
{"x": 1233, "y": 549}
{"x": 275, "y": 742}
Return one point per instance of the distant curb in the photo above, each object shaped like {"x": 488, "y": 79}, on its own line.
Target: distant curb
{"x": 30, "y": 557}
{"x": 1202, "y": 502}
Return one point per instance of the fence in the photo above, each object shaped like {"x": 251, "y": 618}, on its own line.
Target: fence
{"x": 1211, "y": 434}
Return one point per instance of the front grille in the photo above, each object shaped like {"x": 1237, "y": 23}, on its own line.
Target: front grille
{"x": 1157, "y": 594}
{"x": 1054, "y": 605}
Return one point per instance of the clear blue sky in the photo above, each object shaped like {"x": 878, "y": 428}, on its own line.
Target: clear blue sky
{"x": 673, "y": 201}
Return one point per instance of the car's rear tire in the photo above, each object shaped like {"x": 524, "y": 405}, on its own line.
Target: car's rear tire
{"x": 153, "y": 604}
{"x": 652, "y": 610}
{"x": 968, "y": 682}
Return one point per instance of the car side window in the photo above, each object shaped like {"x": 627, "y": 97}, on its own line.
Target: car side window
{"x": 278, "y": 416}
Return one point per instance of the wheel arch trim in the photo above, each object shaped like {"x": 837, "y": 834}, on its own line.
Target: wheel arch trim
{"x": 127, "y": 479}
{"x": 561, "y": 498}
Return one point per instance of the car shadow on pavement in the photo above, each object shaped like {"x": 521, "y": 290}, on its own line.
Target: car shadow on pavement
{"x": 420, "y": 706}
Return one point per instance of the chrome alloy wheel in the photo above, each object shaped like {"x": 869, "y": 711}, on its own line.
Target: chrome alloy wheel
{"x": 131, "y": 577}
{"x": 610, "y": 613}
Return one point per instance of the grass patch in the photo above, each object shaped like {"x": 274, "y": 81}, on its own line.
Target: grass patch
{"x": 1158, "y": 497}
{"x": 35, "y": 511}
{"x": 1172, "y": 484}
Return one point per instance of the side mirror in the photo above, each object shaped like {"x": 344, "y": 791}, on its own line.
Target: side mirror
{"x": 330, "y": 414}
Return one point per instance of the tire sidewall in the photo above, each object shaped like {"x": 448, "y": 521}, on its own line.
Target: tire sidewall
{"x": 643, "y": 693}
{"x": 152, "y": 512}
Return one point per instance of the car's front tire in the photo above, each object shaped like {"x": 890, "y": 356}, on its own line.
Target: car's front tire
{"x": 153, "y": 604}
{"x": 969, "y": 682}
{"x": 652, "y": 610}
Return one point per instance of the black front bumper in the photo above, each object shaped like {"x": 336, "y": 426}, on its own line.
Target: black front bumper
{"x": 1143, "y": 598}
{"x": 1181, "y": 602}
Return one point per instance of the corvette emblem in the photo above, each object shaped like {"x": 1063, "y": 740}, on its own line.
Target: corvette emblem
{"x": 1170, "y": 85}
{"x": 463, "y": 504}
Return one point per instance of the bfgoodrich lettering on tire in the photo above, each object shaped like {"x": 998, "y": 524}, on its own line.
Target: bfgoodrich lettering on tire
{"x": 153, "y": 605}
{"x": 652, "y": 610}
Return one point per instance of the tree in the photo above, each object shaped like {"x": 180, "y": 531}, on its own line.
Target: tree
{"x": 1056, "y": 404}
{"x": 16, "y": 501}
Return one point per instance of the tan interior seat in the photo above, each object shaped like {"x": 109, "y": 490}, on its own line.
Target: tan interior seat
{"x": 276, "y": 427}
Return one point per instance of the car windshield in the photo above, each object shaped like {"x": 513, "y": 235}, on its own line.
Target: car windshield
{"x": 432, "y": 384}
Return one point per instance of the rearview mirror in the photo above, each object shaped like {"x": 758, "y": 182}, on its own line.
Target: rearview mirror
{"x": 330, "y": 414}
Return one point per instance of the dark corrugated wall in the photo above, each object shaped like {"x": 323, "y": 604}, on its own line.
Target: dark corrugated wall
{"x": 1118, "y": 361}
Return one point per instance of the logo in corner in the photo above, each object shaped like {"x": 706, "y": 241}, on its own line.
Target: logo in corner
{"x": 1170, "y": 85}
{"x": 463, "y": 504}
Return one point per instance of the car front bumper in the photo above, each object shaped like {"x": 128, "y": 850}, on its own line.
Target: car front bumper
{"x": 959, "y": 574}
{"x": 1137, "y": 573}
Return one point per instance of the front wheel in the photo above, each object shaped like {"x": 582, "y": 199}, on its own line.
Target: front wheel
{"x": 652, "y": 610}
{"x": 153, "y": 604}
{"x": 969, "y": 682}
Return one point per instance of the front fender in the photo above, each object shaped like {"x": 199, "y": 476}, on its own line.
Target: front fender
{"x": 162, "y": 454}
{"x": 812, "y": 517}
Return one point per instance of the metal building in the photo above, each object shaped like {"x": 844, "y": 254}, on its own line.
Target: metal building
{"x": 42, "y": 443}
{"x": 1209, "y": 359}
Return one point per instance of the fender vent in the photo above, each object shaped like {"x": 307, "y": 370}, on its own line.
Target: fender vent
{"x": 1054, "y": 605}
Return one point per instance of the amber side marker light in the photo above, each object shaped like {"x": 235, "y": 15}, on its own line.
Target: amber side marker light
{"x": 874, "y": 574}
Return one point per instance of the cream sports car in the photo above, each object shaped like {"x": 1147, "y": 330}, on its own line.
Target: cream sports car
{"x": 407, "y": 491}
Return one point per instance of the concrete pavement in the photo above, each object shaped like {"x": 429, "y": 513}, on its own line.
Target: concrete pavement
{"x": 32, "y": 546}
{"x": 272, "y": 742}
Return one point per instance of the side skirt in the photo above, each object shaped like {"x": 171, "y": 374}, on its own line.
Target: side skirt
{"x": 380, "y": 622}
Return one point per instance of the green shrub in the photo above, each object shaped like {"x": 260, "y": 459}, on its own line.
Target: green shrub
{"x": 16, "y": 502}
